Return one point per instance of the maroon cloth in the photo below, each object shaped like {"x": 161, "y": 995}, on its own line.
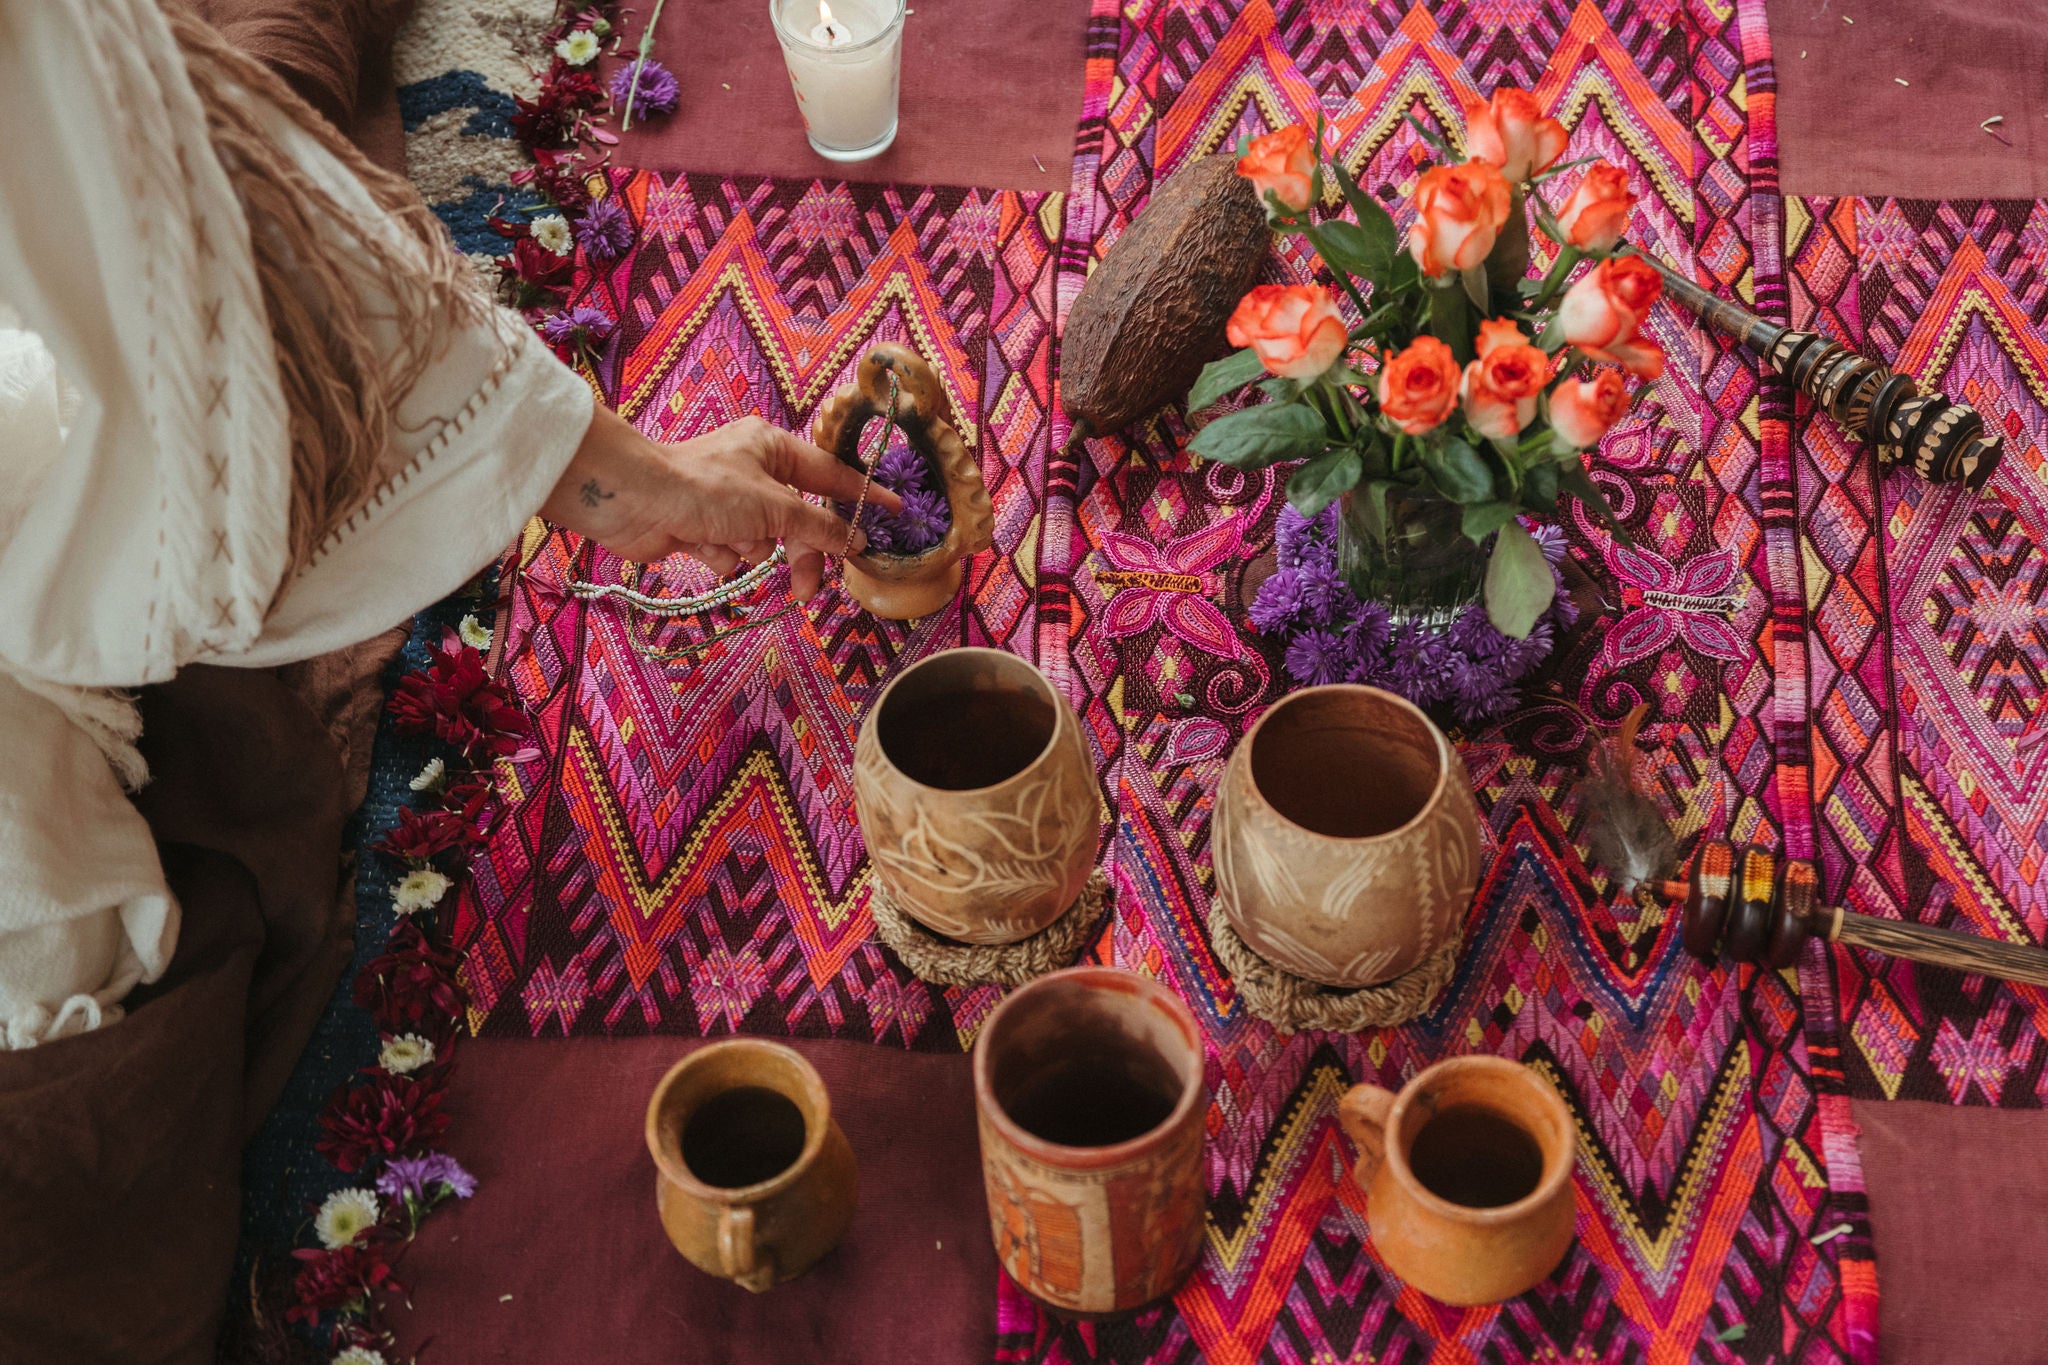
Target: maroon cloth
{"x": 988, "y": 86}
{"x": 1959, "y": 1208}
{"x": 1847, "y": 127}
{"x": 564, "y": 1222}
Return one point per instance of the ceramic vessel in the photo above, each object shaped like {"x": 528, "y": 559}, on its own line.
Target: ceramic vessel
{"x": 1346, "y": 839}
{"x": 756, "y": 1182}
{"x": 1468, "y": 1177}
{"x": 905, "y": 587}
{"x": 1088, "y": 1089}
{"x": 977, "y": 797}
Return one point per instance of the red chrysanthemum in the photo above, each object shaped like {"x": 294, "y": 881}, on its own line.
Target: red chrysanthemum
{"x": 384, "y": 1116}
{"x": 422, "y": 835}
{"x": 573, "y": 87}
{"x": 455, "y": 700}
{"x": 412, "y": 984}
{"x": 563, "y": 184}
{"x": 343, "y": 1277}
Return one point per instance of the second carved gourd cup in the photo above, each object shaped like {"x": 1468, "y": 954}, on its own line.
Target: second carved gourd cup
{"x": 1346, "y": 839}
{"x": 976, "y": 795}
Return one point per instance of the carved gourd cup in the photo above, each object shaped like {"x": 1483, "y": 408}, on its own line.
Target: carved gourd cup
{"x": 1346, "y": 839}
{"x": 905, "y": 587}
{"x": 976, "y": 795}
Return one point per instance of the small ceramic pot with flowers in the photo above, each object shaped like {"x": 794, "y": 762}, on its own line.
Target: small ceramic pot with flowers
{"x": 914, "y": 558}
{"x": 1438, "y": 402}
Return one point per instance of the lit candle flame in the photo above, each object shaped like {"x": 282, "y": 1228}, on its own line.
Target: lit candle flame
{"x": 824, "y": 14}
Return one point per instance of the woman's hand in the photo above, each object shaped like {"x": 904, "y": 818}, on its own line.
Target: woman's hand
{"x": 723, "y": 499}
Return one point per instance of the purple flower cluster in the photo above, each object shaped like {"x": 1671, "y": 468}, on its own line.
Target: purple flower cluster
{"x": 658, "y": 93}
{"x": 419, "y": 1178}
{"x": 577, "y": 327}
{"x": 1328, "y": 635}
{"x": 926, "y": 515}
{"x": 605, "y": 230}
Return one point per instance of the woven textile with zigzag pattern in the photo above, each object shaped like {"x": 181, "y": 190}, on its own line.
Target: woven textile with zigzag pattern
{"x": 683, "y": 856}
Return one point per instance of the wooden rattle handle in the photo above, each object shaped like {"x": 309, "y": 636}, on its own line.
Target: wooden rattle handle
{"x": 1945, "y": 948}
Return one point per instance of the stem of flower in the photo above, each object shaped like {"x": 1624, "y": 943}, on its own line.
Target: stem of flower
{"x": 646, "y": 51}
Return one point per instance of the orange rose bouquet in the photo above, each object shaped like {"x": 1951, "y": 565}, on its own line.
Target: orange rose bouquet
{"x": 1433, "y": 385}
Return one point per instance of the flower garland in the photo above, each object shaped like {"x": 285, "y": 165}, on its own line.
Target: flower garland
{"x": 389, "y": 1126}
{"x": 1328, "y": 634}
{"x": 560, "y": 127}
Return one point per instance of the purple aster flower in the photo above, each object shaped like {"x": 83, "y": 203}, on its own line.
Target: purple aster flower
{"x": 1550, "y": 539}
{"x": 558, "y": 329}
{"x": 1420, "y": 666}
{"x": 418, "y": 1178}
{"x": 576, "y": 327}
{"x": 1278, "y": 603}
{"x": 1519, "y": 657}
{"x": 1316, "y": 657}
{"x": 658, "y": 92}
{"x": 1477, "y": 692}
{"x": 922, "y": 522}
{"x": 1369, "y": 632}
{"x": 1325, "y": 597}
{"x": 901, "y": 469}
{"x": 605, "y": 230}
{"x": 881, "y": 529}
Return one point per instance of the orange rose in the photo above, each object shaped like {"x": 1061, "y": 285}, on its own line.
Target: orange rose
{"x": 1596, "y": 215}
{"x": 1511, "y": 133}
{"x": 1419, "y": 386}
{"x": 1581, "y": 410}
{"x": 1458, "y": 212}
{"x": 1603, "y": 312}
{"x": 1295, "y": 328}
{"x": 1284, "y": 163}
{"x": 1501, "y": 387}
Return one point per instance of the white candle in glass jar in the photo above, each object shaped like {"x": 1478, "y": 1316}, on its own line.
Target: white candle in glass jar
{"x": 844, "y": 59}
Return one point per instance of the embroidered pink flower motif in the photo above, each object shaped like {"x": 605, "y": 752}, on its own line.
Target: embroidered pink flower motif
{"x": 1663, "y": 603}
{"x": 1168, "y": 584}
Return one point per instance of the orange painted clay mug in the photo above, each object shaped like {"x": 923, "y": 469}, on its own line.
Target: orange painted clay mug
{"x": 1468, "y": 1177}
{"x": 756, "y": 1182}
{"x": 1088, "y": 1090}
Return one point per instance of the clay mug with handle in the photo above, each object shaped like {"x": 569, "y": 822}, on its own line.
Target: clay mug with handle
{"x": 756, "y": 1181}
{"x": 1468, "y": 1177}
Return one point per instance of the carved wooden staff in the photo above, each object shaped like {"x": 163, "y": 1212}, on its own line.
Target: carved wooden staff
{"x": 1944, "y": 442}
{"x": 1747, "y": 904}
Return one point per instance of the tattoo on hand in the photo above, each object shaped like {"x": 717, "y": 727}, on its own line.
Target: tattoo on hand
{"x": 592, "y": 494}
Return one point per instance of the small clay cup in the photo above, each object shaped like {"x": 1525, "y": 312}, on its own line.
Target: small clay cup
{"x": 976, "y": 795}
{"x": 1088, "y": 1090}
{"x": 1346, "y": 839}
{"x": 756, "y": 1182}
{"x": 1468, "y": 1177}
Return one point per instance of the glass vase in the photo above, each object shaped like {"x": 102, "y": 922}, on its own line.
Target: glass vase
{"x": 1425, "y": 569}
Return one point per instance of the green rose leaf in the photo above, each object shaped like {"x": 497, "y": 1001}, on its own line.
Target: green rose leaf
{"x": 1257, "y": 437}
{"x": 1219, "y": 377}
{"x": 1450, "y": 318}
{"x": 1518, "y": 582}
{"x": 1346, "y": 246}
{"x": 1461, "y": 473}
{"x": 1482, "y": 519}
{"x": 1372, "y": 504}
{"x": 1539, "y": 487}
{"x": 1571, "y": 476}
{"x": 1323, "y": 480}
{"x": 1377, "y": 225}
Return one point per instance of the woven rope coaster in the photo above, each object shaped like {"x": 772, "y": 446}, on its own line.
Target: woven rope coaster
{"x": 1291, "y": 1004}
{"x": 945, "y": 962}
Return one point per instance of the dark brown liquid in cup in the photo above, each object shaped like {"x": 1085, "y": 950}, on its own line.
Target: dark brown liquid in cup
{"x": 1095, "y": 1101}
{"x": 1343, "y": 782}
{"x": 743, "y": 1136}
{"x": 1476, "y": 1157}
{"x": 966, "y": 740}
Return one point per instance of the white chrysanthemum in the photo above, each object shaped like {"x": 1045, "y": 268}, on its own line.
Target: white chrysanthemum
{"x": 474, "y": 633}
{"x": 579, "y": 48}
{"x": 406, "y": 1054}
{"x": 345, "y": 1215}
{"x": 551, "y": 230}
{"x": 359, "y": 1355}
{"x": 430, "y": 776}
{"x": 419, "y": 891}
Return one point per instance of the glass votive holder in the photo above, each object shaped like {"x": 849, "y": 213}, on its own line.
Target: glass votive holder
{"x": 845, "y": 60}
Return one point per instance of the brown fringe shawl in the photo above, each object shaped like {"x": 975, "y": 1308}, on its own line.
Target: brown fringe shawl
{"x": 342, "y": 390}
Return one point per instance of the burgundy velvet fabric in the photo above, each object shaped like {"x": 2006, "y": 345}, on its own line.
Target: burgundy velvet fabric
{"x": 564, "y": 1221}
{"x": 991, "y": 97}
{"x": 1959, "y": 1207}
{"x": 1847, "y": 127}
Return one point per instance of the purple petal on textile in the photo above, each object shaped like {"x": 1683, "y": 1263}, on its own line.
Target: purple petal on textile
{"x": 1711, "y": 636}
{"x": 1635, "y": 636}
{"x": 1131, "y": 611}
{"x": 1199, "y": 622}
{"x": 1203, "y": 550}
{"x": 1127, "y": 551}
